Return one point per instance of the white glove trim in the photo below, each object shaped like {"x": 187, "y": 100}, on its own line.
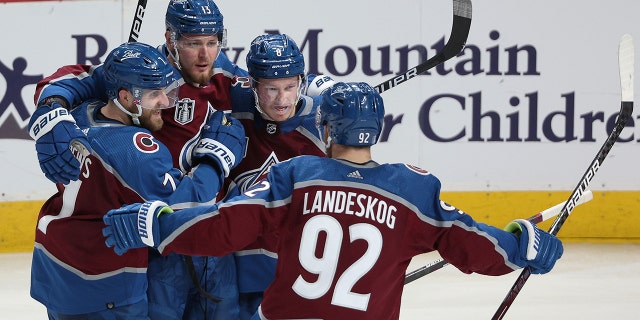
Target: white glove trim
{"x": 47, "y": 121}
{"x": 145, "y": 221}
{"x": 313, "y": 90}
{"x": 534, "y": 238}
{"x": 218, "y": 150}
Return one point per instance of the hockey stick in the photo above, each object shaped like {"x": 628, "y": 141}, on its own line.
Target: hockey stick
{"x": 455, "y": 44}
{"x": 137, "y": 21}
{"x": 625, "y": 60}
{"x": 540, "y": 217}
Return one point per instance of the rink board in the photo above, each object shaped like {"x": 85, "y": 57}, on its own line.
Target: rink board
{"x": 609, "y": 217}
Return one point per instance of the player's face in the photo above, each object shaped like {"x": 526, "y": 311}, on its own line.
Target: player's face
{"x": 151, "y": 119}
{"x": 278, "y": 97}
{"x": 152, "y": 102}
{"x": 196, "y": 54}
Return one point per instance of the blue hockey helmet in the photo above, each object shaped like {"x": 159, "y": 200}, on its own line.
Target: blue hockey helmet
{"x": 137, "y": 66}
{"x": 195, "y": 17}
{"x": 353, "y": 112}
{"x": 274, "y": 56}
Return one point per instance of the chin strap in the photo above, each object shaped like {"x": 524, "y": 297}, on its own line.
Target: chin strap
{"x": 176, "y": 58}
{"x": 134, "y": 117}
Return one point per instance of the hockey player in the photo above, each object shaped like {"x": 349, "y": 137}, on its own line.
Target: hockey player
{"x": 279, "y": 124}
{"x": 194, "y": 36}
{"x": 72, "y": 274}
{"x": 348, "y": 226}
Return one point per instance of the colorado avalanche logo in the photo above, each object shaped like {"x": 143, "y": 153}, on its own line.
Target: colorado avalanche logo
{"x": 248, "y": 179}
{"x": 242, "y": 82}
{"x": 145, "y": 143}
{"x": 447, "y": 207}
{"x": 417, "y": 170}
{"x": 184, "y": 110}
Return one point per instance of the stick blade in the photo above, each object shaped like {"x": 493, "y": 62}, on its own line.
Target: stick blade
{"x": 625, "y": 59}
{"x": 462, "y": 11}
{"x": 462, "y": 8}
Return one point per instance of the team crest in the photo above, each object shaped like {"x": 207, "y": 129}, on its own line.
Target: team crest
{"x": 417, "y": 169}
{"x": 246, "y": 180}
{"x": 242, "y": 82}
{"x": 184, "y": 110}
{"x": 144, "y": 142}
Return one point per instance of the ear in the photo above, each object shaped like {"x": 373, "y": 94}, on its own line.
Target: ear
{"x": 126, "y": 99}
{"x": 168, "y": 42}
{"x": 124, "y": 96}
{"x": 325, "y": 138}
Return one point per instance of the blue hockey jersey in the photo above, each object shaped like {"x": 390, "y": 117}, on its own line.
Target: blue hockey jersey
{"x": 73, "y": 271}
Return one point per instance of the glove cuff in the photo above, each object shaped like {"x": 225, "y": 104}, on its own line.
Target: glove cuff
{"x": 529, "y": 238}
{"x": 146, "y": 217}
{"x": 49, "y": 101}
{"x": 318, "y": 84}
{"x": 46, "y": 121}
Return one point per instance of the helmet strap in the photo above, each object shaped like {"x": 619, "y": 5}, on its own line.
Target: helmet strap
{"x": 302, "y": 84}
{"x": 174, "y": 53}
{"x": 254, "y": 83}
{"x": 134, "y": 117}
{"x": 176, "y": 58}
{"x": 257, "y": 102}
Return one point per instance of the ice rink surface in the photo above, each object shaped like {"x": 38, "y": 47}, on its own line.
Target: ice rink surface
{"x": 591, "y": 281}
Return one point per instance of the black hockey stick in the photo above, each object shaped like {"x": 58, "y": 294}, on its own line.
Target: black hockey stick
{"x": 537, "y": 218}
{"x": 455, "y": 44}
{"x": 625, "y": 60}
{"x": 137, "y": 21}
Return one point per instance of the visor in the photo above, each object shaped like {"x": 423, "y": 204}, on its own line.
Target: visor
{"x": 161, "y": 98}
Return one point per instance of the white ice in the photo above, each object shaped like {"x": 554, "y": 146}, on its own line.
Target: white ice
{"x": 591, "y": 281}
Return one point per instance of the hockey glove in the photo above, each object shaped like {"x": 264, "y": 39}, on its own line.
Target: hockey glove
{"x": 222, "y": 142}
{"x": 134, "y": 226}
{"x": 538, "y": 249}
{"x": 56, "y": 135}
{"x": 317, "y": 84}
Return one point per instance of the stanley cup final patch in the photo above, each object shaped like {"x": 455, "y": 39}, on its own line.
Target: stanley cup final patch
{"x": 184, "y": 110}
